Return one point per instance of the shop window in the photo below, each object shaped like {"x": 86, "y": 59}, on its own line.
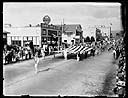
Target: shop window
{"x": 34, "y": 40}
{"x": 44, "y": 32}
{"x": 20, "y": 38}
{"x": 16, "y": 42}
{"x": 55, "y": 33}
{"x": 37, "y": 40}
{"x": 25, "y": 38}
{"x": 17, "y": 38}
{"x": 49, "y": 32}
{"x": 12, "y": 37}
{"x": 77, "y": 33}
{"x": 29, "y": 38}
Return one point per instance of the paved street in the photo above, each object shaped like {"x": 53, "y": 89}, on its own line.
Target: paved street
{"x": 56, "y": 76}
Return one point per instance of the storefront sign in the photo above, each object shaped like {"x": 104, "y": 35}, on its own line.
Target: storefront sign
{"x": 46, "y": 19}
{"x": 43, "y": 25}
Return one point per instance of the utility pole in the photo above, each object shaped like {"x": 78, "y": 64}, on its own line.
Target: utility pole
{"x": 110, "y": 31}
{"x": 63, "y": 28}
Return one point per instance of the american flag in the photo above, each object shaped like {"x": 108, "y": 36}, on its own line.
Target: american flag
{"x": 76, "y": 49}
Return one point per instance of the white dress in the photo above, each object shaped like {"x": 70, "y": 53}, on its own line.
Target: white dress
{"x": 65, "y": 53}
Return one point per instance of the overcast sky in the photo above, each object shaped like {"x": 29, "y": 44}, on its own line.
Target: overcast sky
{"x": 22, "y": 14}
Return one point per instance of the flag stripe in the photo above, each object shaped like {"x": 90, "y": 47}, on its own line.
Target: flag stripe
{"x": 70, "y": 48}
{"x": 82, "y": 51}
{"x": 88, "y": 49}
{"x": 74, "y": 49}
{"x": 79, "y": 49}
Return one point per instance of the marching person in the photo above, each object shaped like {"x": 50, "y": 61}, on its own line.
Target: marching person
{"x": 36, "y": 59}
{"x": 43, "y": 53}
{"x": 78, "y": 56}
{"x": 49, "y": 50}
{"x": 65, "y": 54}
{"x": 35, "y": 55}
{"x": 114, "y": 53}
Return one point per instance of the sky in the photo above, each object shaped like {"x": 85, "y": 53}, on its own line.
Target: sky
{"x": 86, "y": 14}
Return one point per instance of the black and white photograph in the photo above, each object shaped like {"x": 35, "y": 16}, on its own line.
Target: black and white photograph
{"x": 63, "y": 49}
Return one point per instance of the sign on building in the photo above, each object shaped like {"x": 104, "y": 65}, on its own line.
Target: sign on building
{"x": 46, "y": 19}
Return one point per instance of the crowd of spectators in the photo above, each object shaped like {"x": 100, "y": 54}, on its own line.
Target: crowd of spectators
{"x": 14, "y": 53}
{"x": 121, "y": 71}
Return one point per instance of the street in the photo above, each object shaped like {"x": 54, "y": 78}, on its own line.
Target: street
{"x": 90, "y": 77}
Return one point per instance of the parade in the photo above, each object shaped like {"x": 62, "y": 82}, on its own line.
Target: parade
{"x": 66, "y": 57}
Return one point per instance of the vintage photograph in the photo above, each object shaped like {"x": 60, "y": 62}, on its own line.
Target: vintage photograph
{"x": 63, "y": 48}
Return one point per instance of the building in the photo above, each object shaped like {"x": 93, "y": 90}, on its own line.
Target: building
{"x": 92, "y": 31}
{"x": 22, "y": 35}
{"x": 72, "y": 34}
{"x": 40, "y": 35}
{"x": 51, "y": 35}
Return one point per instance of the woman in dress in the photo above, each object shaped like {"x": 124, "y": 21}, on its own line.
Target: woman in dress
{"x": 36, "y": 59}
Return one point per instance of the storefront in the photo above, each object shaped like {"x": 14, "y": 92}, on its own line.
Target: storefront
{"x": 51, "y": 35}
{"x": 21, "y": 36}
{"x": 72, "y": 34}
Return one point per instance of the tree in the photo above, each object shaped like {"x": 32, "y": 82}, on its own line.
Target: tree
{"x": 87, "y": 39}
{"x": 92, "y": 39}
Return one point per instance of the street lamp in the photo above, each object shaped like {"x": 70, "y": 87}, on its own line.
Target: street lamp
{"x": 110, "y": 31}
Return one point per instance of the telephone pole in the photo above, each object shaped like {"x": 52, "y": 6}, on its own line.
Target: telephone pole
{"x": 63, "y": 30}
{"x": 110, "y": 31}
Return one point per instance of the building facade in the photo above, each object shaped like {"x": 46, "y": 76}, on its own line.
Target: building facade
{"x": 93, "y": 31}
{"x": 51, "y": 35}
{"x": 23, "y": 35}
{"x": 39, "y": 35}
{"x": 72, "y": 34}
